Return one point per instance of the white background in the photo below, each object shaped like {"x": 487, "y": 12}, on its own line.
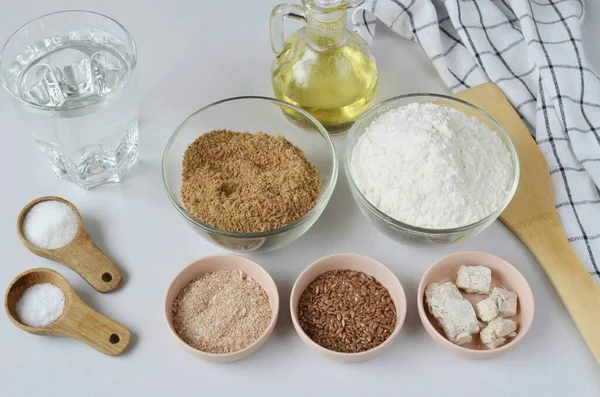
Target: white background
{"x": 193, "y": 53}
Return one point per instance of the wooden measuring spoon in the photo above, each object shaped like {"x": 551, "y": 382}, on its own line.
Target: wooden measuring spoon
{"x": 77, "y": 321}
{"x": 532, "y": 216}
{"x": 81, "y": 254}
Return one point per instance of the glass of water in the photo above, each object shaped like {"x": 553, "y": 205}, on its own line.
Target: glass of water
{"x": 73, "y": 77}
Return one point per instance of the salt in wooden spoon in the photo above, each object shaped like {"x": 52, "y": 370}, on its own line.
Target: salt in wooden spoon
{"x": 77, "y": 321}
{"x": 81, "y": 254}
{"x": 532, "y": 216}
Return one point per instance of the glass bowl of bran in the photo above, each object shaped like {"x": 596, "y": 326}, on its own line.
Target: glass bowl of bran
{"x": 255, "y": 115}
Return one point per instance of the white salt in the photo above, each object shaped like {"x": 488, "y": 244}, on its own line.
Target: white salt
{"x": 50, "y": 224}
{"x": 40, "y": 305}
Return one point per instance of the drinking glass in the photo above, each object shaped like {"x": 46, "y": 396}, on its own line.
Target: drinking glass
{"x": 72, "y": 75}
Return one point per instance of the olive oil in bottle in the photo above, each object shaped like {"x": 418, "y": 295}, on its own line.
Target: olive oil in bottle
{"x": 323, "y": 68}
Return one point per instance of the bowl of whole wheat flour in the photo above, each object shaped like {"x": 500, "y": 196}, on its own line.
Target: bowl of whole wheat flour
{"x": 222, "y": 308}
{"x": 430, "y": 169}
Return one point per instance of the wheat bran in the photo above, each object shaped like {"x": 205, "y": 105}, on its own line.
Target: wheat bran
{"x": 245, "y": 182}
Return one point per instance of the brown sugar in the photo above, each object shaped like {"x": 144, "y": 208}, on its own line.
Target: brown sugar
{"x": 245, "y": 182}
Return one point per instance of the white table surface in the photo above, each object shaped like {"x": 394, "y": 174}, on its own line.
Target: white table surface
{"x": 192, "y": 53}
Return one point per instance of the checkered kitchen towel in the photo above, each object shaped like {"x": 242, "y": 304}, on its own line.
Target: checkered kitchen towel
{"x": 533, "y": 50}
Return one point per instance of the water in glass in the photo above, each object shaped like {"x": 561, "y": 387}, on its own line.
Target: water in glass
{"x": 78, "y": 94}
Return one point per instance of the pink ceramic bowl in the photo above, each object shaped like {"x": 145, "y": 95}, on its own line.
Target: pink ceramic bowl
{"x": 212, "y": 264}
{"x": 503, "y": 274}
{"x": 351, "y": 262}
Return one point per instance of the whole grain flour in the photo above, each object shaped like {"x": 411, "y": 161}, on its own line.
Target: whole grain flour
{"x": 221, "y": 312}
{"x": 432, "y": 166}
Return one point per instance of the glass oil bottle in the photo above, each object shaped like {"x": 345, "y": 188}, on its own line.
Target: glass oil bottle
{"x": 323, "y": 68}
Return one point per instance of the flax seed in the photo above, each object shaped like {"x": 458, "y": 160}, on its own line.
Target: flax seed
{"x": 351, "y": 312}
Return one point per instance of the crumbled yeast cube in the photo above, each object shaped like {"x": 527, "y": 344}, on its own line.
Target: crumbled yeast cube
{"x": 505, "y": 300}
{"x": 496, "y": 332}
{"x": 486, "y": 309}
{"x": 492, "y": 342}
{"x": 474, "y": 279}
{"x": 454, "y": 313}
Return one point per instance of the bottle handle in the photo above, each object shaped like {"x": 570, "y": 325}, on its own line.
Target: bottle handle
{"x": 278, "y": 15}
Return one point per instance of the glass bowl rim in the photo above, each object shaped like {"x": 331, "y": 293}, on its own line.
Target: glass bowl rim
{"x": 423, "y": 230}
{"x": 324, "y": 196}
{"x": 134, "y": 54}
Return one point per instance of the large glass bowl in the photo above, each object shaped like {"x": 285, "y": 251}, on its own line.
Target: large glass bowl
{"x": 408, "y": 233}
{"x": 254, "y": 114}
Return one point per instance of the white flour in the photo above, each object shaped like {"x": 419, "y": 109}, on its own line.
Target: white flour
{"x": 432, "y": 166}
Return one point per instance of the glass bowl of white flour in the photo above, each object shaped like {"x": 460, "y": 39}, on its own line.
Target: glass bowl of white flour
{"x": 430, "y": 169}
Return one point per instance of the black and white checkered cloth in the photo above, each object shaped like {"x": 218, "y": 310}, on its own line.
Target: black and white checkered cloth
{"x": 532, "y": 49}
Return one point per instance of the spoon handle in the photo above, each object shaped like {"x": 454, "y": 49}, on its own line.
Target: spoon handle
{"x": 91, "y": 263}
{"x": 94, "y": 329}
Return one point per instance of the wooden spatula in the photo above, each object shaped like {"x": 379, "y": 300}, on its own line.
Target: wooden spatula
{"x": 532, "y": 216}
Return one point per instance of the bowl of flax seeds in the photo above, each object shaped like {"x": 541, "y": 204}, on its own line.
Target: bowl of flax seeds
{"x": 348, "y": 307}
